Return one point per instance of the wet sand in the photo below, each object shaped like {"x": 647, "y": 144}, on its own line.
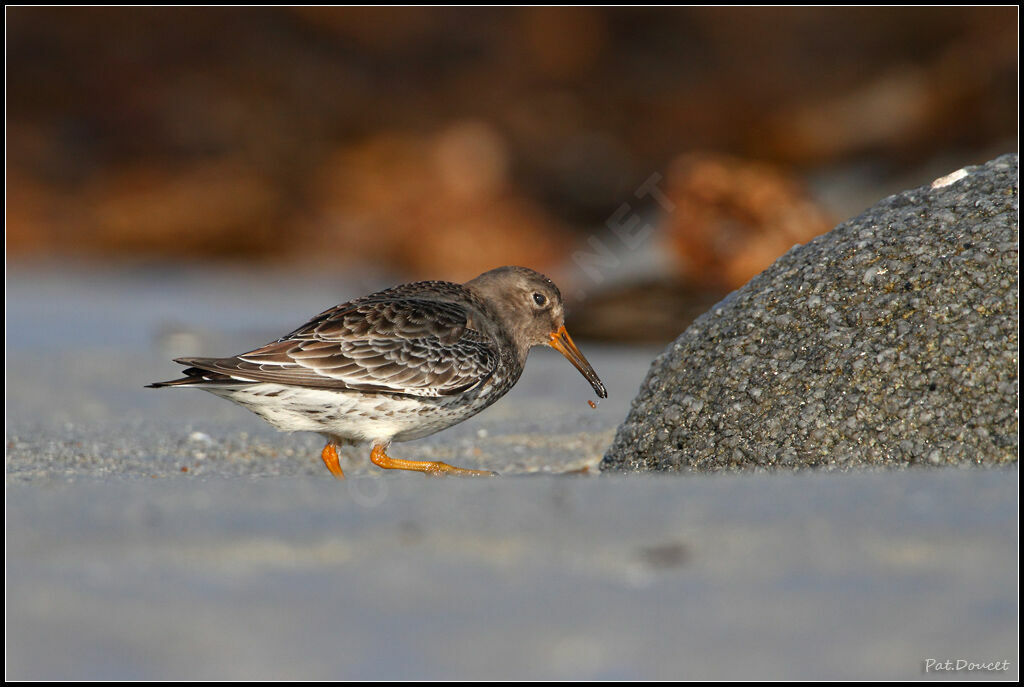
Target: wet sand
{"x": 168, "y": 534}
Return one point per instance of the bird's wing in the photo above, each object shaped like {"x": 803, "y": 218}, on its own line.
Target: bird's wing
{"x": 403, "y": 345}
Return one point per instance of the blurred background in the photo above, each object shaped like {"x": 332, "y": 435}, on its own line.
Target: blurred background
{"x": 650, "y": 160}
{"x": 196, "y": 181}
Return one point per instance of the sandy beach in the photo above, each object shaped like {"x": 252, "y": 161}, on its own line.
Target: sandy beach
{"x": 167, "y": 534}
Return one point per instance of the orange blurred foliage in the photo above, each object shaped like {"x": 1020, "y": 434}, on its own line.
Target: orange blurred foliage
{"x": 732, "y": 218}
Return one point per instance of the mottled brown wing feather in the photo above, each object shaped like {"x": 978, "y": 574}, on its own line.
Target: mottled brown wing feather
{"x": 395, "y": 344}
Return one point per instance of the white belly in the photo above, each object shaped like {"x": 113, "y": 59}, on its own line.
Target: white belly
{"x": 348, "y": 415}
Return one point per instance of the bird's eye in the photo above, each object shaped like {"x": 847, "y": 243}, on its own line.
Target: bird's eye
{"x": 540, "y": 299}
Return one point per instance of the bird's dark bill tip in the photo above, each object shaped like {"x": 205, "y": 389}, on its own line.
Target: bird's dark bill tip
{"x": 563, "y": 343}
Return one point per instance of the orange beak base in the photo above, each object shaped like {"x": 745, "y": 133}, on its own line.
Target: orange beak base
{"x": 562, "y": 342}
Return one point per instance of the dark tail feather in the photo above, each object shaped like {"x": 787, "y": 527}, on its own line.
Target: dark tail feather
{"x": 196, "y": 376}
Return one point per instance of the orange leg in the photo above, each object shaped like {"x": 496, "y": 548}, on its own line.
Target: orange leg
{"x": 330, "y": 458}
{"x": 430, "y": 467}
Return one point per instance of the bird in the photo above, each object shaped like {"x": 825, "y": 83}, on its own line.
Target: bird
{"x": 397, "y": 365}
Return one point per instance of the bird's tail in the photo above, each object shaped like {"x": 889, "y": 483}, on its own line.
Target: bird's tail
{"x": 197, "y": 376}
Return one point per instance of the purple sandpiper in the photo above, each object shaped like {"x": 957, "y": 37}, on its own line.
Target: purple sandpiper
{"x": 399, "y": 364}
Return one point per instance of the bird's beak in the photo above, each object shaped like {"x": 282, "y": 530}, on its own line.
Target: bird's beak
{"x": 562, "y": 342}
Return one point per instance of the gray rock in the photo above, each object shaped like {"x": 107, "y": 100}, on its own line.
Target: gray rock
{"x": 890, "y": 341}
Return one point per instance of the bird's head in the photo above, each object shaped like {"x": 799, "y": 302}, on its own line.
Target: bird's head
{"x": 532, "y": 312}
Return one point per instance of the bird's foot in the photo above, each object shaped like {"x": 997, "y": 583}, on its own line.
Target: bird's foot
{"x": 432, "y": 468}
{"x": 330, "y": 458}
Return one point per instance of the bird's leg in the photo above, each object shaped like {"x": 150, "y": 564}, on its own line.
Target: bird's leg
{"x": 430, "y": 467}
{"x": 330, "y": 458}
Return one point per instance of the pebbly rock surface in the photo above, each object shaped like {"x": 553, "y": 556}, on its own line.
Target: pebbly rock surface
{"x": 890, "y": 341}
